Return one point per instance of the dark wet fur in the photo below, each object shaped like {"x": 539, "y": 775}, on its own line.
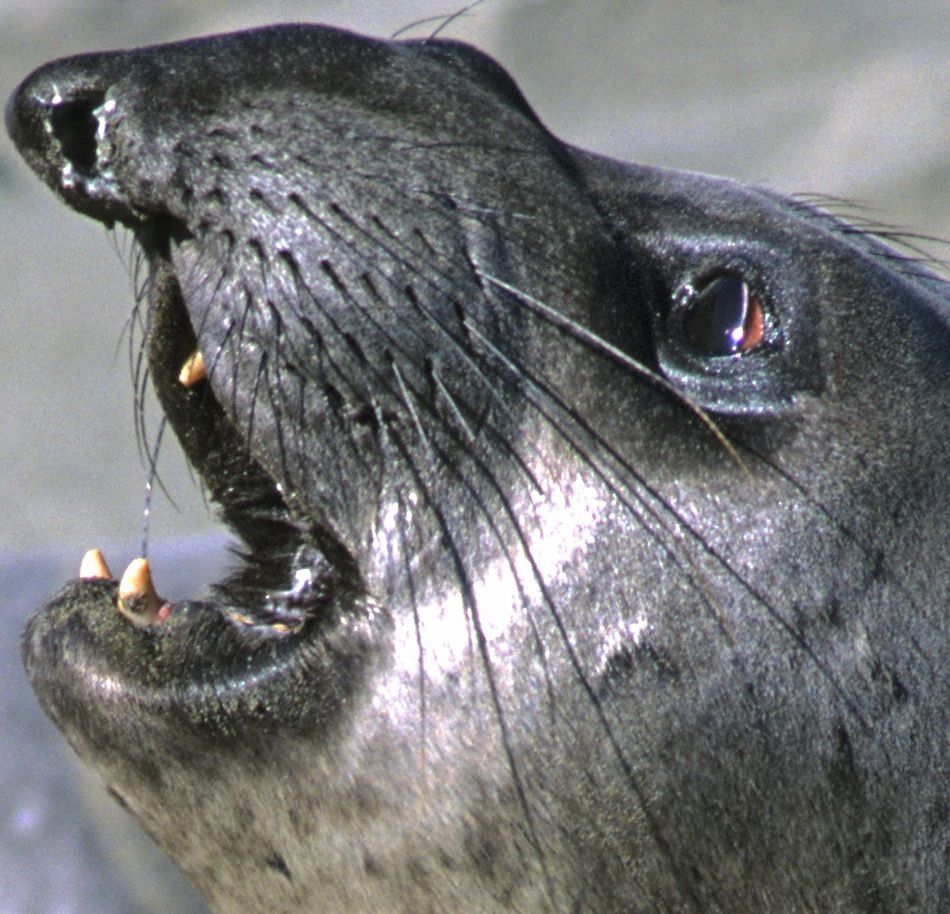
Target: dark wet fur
{"x": 589, "y": 620}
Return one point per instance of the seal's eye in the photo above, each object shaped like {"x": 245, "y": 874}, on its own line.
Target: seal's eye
{"x": 723, "y": 317}
{"x": 731, "y": 336}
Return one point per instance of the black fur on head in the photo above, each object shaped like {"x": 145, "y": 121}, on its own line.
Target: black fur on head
{"x": 595, "y": 516}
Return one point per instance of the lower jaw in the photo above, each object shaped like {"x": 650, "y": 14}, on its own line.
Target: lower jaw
{"x": 112, "y": 685}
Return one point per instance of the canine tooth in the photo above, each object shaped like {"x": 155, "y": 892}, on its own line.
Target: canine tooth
{"x": 93, "y": 566}
{"x": 138, "y": 600}
{"x": 193, "y": 370}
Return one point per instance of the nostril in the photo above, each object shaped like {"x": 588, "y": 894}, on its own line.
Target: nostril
{"x": 74, "y": 124}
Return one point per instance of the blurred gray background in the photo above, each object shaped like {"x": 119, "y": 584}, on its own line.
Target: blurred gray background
{"x": 849, "y": 98}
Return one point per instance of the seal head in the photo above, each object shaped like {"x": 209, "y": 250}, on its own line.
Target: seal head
{"x": 595, "y": 516}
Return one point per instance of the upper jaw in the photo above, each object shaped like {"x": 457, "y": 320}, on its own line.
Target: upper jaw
{"x": 61, "y": 121}
{"x": 280, "y": 543}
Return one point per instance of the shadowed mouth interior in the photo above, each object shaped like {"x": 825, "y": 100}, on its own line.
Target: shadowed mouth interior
{"x": 283, "y": 577}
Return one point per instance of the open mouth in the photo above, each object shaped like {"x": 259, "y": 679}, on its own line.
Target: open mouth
{"x": 289, "y": 619}
{"x": 284, "y": 579}
{"x": 294, "y": 614}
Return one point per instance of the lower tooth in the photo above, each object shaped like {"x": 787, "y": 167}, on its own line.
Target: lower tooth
{"x": 93, "y": 566}
{"x": 138, "y": 600}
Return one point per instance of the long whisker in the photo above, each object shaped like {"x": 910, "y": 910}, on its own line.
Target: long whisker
{"x": 599, "y": 344}
{"x": 444, "y": 21}
{"x": 494, "y": 520}
{"x": 149, "y": 486}
{"x": 680, "y": 524}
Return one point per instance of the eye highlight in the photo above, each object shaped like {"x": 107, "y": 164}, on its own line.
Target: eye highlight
{"x": 722, "y": 317}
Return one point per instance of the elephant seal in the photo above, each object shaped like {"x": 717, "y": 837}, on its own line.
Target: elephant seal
{"x": 595, "y": 517}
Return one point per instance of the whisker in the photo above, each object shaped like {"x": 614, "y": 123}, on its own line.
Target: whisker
{"x": 433, "y": 280}
{"x": 440, "y": 459}
{"x": 599, "y": 344}
{"x": 483, "y": 651}
{"x": 678, "y": 525}
{"x": 452, "y": 404}
{"x": 149, "y": 486}
{"x": 408, "y": 402}
{"x": 431, "y": 319}
{"x": 839, "y": 214}
{"x": 444, "y": 20}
